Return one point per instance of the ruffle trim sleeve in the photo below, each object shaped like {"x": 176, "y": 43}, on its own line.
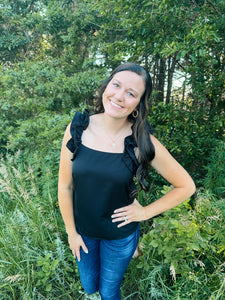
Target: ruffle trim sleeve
{"x": 78, "y": 125}
{"x": 129, "y": 157}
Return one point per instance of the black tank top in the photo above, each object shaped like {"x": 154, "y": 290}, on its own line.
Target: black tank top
{"x": 103, "y": 181}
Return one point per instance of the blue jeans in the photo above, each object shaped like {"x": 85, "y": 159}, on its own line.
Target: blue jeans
{"x": 104, "y": 266}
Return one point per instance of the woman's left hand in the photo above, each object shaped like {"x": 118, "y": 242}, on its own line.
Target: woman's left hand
{"x": 127, "y": 214}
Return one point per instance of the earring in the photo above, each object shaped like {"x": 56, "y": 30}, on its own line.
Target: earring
{"x": 135, "y": 114}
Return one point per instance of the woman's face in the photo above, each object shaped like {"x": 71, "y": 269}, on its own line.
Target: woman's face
{"x": 123, "y": 94}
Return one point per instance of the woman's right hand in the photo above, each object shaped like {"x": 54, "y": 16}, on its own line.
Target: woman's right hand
{"x": 76, "y": 242}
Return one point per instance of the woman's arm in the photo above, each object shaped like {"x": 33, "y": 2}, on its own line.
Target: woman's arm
{"x": 65, "y": 197}
{"x": 65, "y": 186}
{"x": 175, "y": 174}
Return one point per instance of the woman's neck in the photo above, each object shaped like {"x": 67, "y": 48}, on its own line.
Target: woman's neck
{"x": 113, "y": 125}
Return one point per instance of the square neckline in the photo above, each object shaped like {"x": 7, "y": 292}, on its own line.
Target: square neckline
{"x": 101, "y": 151}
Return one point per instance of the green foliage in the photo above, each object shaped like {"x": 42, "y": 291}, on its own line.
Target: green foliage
{"x": 148, "y": 32}
{"x": 46, "y": 272}
{"x": 31, "y": 92}
{"x": 215, "y": 177}
{"x": 18, "y": 20}
{"x": 202, "y": 50}
{"x": 34, "y": 261}
{"x": 188, "y": 134}
{"x": 33, "y": 87}
{"x": 183, "y": 252}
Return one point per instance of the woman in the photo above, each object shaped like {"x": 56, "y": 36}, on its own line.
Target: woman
{"x": 100, "y": 156}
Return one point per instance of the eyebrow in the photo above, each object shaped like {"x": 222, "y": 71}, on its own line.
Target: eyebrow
{"x": 129, "y": 88}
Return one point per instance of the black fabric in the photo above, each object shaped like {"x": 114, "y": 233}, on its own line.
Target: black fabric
{"x": 103, "y": 181}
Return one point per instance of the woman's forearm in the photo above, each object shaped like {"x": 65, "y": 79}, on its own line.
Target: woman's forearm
{"x": 171, "y": 199}
{"x": 65, "y": 197}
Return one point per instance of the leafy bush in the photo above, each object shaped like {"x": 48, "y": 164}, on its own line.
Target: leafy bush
{"x": 183, "y": 253}
{"x": 33, "y": 91}
{"x": 215, "y": 178}
{"x": 189, "y": 135}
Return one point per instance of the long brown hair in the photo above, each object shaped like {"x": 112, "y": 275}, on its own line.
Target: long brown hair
{"x": 141, "y": 127}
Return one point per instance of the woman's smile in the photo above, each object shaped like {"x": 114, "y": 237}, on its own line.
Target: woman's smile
{"x": 115, "y": 104}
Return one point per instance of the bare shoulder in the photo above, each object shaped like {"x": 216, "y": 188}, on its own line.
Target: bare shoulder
{"x": 67, "y": 134}
{"x": 160, "y": 149}
{"x": 162, "y": 155}
{"x": 65, "y": 166}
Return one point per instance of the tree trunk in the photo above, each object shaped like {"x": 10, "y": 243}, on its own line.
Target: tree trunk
{"x": 184, "y": 90}
{"x": 171, "y": 68}
{"x": 161, "y": 79}
{"x": 155, "y": 73}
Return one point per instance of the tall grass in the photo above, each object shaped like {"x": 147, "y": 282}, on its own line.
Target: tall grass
{"x": 34, "y": 258}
